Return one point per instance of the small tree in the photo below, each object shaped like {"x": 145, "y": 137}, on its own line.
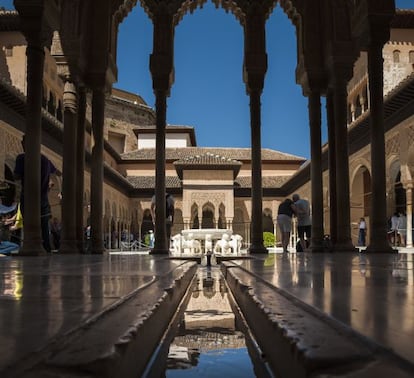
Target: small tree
{"x": 268, "y": 239}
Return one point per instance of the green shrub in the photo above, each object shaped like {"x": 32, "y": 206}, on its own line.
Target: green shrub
{"x": 268, "y": 239}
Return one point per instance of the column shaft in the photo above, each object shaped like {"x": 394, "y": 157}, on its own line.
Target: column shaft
{"x": 32, "y": 244}
{"x": 80, "y": 167}
{"x": 409, "y": 213}
{"x": 160, "y": 246}
{"x": 378, "y": 219}
{"x": 257, "y": 196}
{"x": 343, "y": 235}
{"x": 332, "y": 167}
{"x": 97, "y": 176}
{"x": 316, "y": 171}
{"x": 69, "y": 244}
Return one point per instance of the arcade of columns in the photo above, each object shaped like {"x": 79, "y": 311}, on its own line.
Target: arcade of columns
{"x": 330, "y": 34}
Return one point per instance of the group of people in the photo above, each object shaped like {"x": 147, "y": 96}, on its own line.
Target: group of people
{"x": 15, "y": 222}
{"x": 300, "y": 208}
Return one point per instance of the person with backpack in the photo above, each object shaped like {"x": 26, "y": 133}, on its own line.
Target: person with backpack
{"x": 169, "y": 214}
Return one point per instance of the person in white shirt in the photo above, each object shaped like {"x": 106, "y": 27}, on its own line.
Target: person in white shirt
{"x": 362, "y": 226}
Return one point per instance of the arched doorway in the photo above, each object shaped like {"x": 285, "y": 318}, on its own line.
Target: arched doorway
{"x": 360, "y": 199}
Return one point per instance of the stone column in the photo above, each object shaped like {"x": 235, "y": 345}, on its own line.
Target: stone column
{"x": 332, "y": 166}
{"x": 255, "y": 67}
{"x": 32, "y": 245}
{"x": 378, "y": 220}
{"x": 69, "y": 242}
{"x": 409, "y": 213}
{"x": 160, "y": 246}
{"x": 316, "y": 171}
{"x": 343, "y": 234}
{"x": 97, "y": 176}
{"x": 80, "y": 167}
{"x": 257, "y": 195}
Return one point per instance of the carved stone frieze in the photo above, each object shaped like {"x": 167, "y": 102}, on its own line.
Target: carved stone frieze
{"x": 392, "y": 145}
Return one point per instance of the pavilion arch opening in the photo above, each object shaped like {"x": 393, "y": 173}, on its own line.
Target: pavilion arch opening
{"x": 195, "y": 221}
{"x": 208, "y": 219}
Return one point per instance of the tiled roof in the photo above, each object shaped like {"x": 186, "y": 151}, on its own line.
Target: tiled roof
{"x": 267, "y": 181}
{"x": 148, "y": 182}
{"x": 209, "y": 161}
{"x": 207, "y": 158}
{"x": 403, "y": 19}
{"x": 234, "y": 153}
{"x": 9, "y": 20}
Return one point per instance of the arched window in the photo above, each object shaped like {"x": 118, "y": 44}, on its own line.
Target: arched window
{"x": 396, "y": 56}
{"x": 411, "y": 56}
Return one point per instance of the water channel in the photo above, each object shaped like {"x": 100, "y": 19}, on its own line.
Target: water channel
{"x": 209, "y": 336}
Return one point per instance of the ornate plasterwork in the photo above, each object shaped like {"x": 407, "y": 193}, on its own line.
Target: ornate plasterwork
{"x": 392, "y": 145}
{"x": 202, "y": 198}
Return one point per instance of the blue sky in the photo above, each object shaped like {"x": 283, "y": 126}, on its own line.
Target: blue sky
{"x": 208, "y": 92}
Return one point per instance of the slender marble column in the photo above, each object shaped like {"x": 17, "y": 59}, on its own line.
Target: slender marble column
{"x": 69, "y": 244}
{"x": 316, "y": 171}
{"x": 97, "y": 176}
{"x": 32, "y": 245}
{"x": 80, "y": 167}
{"x": 160, "y": 246}
{"x": 257, "y": 195}
{"x": 409, "y": 213}
{"x": 332, "y": 167}
{"x": 378, "y": 220}
{"x": 343, "y": 241}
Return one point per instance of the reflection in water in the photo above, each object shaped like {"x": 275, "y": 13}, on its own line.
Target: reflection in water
{"x": 208, "y": 343}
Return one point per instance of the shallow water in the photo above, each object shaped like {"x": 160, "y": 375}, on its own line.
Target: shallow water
{"x": 208, "y": 343}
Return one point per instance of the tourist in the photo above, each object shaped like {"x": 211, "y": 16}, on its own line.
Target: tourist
{"x": 284, "y": 221}
{"x": 402, "y": 229}
{"x": 362, "y": 231}
{"x": 395, "y": 220}
{"x": 302, "y": 211}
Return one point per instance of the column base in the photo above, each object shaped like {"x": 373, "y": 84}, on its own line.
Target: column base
{"x": 380, "y": 248}
{"x": 258, "y": 249}
{"x": 344, "y": 246}
{"x": 159, "y": 251}
{"x": 69, "y": 247}
{"x": 32, "y": 249}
